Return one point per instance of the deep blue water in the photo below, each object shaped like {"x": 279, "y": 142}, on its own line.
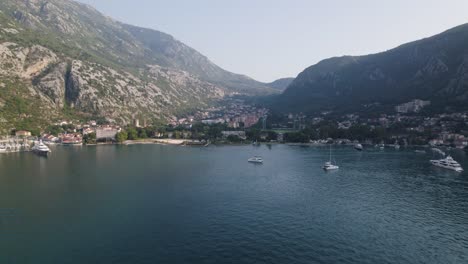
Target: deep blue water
{"x": 170, "y": 204}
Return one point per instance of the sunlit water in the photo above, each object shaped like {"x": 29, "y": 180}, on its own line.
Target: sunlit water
{"x": 169, "y": 204}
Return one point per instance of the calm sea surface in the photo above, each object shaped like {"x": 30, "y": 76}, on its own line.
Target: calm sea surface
{"x": 170, "y": 204}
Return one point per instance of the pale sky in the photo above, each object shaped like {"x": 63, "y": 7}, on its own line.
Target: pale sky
{"x": 271, "y": 39}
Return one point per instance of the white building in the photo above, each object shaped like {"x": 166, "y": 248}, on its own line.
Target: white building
{"x": 412, "y": 107}
{"x": 240, "y": 134}
{"x": 106, "y": 133}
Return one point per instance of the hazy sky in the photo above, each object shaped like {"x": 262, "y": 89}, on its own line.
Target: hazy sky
{"x": 270, "y": 39}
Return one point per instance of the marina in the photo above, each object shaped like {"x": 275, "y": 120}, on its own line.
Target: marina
{"x": 14, "y": 144}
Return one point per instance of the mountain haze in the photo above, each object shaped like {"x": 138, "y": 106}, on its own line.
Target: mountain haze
{"x": 281, "y": 84}
{"x": 434, "y": 68}
{"x": 60, "y": 55}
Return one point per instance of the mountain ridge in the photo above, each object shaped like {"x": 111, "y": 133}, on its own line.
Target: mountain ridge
{"x": 281, "y": 84}
{"x": 433, "y": 68}
{"x": 68, "y": 56}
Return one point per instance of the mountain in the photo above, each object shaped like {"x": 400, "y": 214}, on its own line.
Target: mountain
{"x": 60, "y": 57}
{"x": 280, "y": 84}
{"x": 434, "y": 69}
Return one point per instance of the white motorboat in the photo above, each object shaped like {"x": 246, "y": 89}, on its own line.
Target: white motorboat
{"x": 328, "y": 166}
{"x": 255, "y": 159}
{"x": 358, "y": 147}
{"x": 448, "y": 163}
{"x": 3, "y": 148}
{"x": 40, "y": 148}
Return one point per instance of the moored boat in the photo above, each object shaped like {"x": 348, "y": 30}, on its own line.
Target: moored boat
{"x": 358, "y": 147}
{"x": 40, "y": 148}
{"x": 328, "y": 166}
{"x": 255, "y": 159}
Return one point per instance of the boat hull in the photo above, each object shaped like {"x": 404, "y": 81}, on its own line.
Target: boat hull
{"x": 41, "y": 153}
{"x": 457, "y": 169}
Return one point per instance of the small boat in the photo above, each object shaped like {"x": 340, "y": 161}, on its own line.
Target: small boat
{"x": 358, "y": 147}
{"x": 255, "y": 159}
{"x": 3, "y": 148}
{"x": 40, "y": 148}
{"x": 448, "y": 163}
{"x": 328, "y": 166}
{"x": 420, "y": 151}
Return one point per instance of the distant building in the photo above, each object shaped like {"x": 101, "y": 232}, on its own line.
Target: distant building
{"x": 412, "y": 107}
{"x": 240, "y": 134}
{"x": 213, "y": 121}
{"x": 22, "y": 133}
{"x": 280, "y": 137}
{"x": 71, "y": 139}
{"x": 106, "y": 133}
{"x": 88, "y": 130}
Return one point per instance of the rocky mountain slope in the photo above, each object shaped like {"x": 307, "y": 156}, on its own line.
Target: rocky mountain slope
{"x": 281, "y": 84}
{"x": 60, "y": 55}
{"x": 433, "y": 69}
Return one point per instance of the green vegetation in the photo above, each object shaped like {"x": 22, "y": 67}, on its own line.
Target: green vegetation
{"x": 89, "y": 139}
{"x": 20, "y": 110}
{"x": 121, "y": 136}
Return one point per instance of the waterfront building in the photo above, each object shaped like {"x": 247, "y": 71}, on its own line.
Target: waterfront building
{"x": 240, "y": 134}
{"x": 106, "y": 133}
{"x": 23, "y": 133}
{"x": 412, "y": 107}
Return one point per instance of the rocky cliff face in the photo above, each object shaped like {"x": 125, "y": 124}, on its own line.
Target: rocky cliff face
{"x": 153, "y": 92}
{"x": 67, "y": 55}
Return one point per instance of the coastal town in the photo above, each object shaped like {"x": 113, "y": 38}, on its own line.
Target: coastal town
{"x": 237, "y": 122}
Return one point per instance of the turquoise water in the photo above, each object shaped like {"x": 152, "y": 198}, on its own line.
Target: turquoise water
{"x": 170, "y": 204}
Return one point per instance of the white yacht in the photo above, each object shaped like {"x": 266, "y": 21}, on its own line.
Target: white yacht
{"x": 328, "y": 166}
{"x": 358, "y": 147}
{"x": 448, "y": 163}
{"x": 40, "y": 148}
{"x": 256, "y": 159}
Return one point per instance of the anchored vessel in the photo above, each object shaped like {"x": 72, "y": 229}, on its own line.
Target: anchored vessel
{"x": 40, "y": 148}
{"x": 358, "y": 147}
{"x": 448, "y": 163}
{"x": 328, "y": 166}
{"x": 256, "y": 159}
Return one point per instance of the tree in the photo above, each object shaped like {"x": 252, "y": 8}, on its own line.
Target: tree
{"x": 234, "y": 139}
{"x": 132, "y": 134}
{"x": 121, "y": 136}
{"x": 55, "y": 130}
{"x": 89, "y": 138}
{"x": 142, "y": 134}
{"x": 296, "y": 137}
